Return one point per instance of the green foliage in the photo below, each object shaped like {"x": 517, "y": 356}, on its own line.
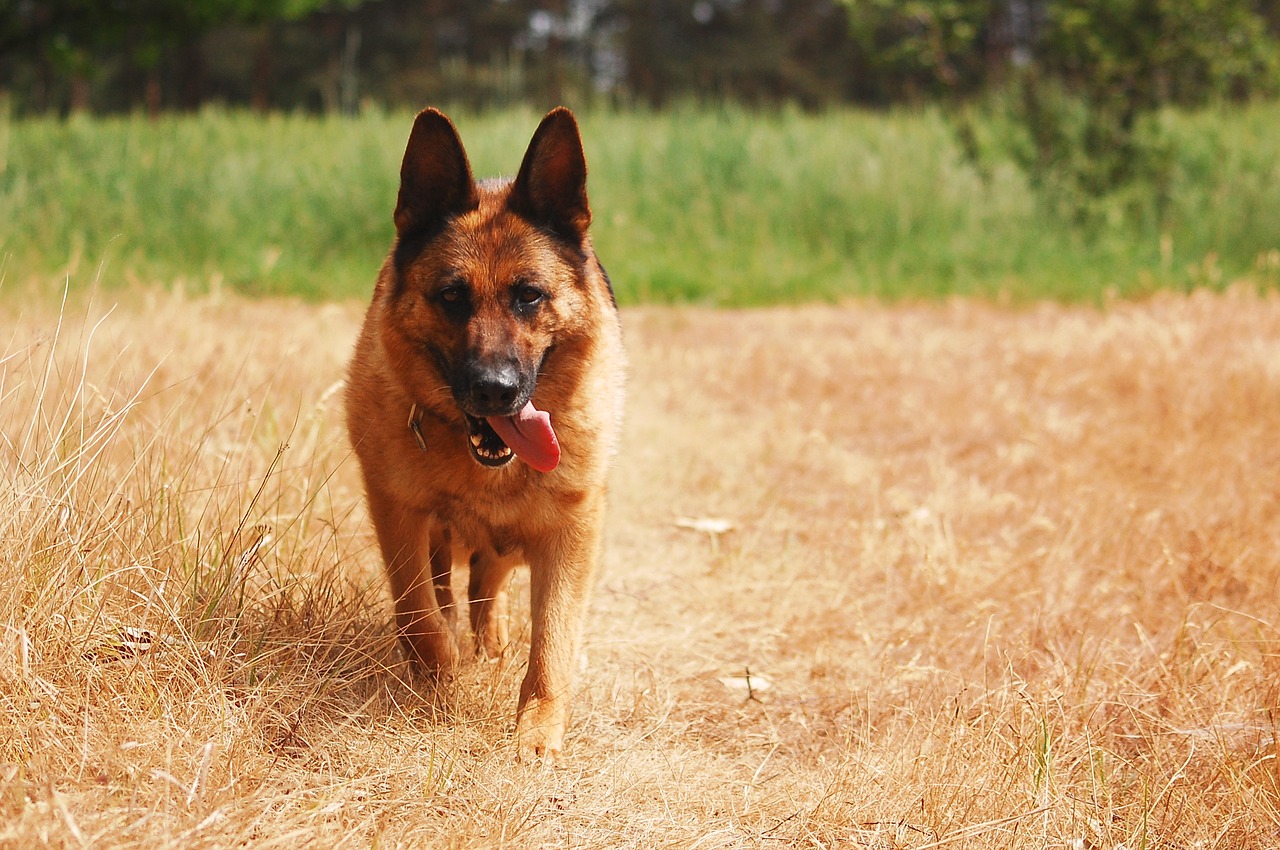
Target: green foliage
{"x": 1084, "y": 164}
{"x": 268, "y": 205}
{"x": 85, "y": 39}
{"x": 1130, "y": 56}
{"x": 1123, "y": 56}
{"x": 922, "y": 48}
{"x": 718, "y": 206}
{"x": 1086, "y": 131}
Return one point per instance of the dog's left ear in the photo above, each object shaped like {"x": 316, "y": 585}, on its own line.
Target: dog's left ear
{"x": 551, "y": 188}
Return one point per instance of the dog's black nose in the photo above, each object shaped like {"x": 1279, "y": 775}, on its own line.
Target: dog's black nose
{"x": 494, "y": 390}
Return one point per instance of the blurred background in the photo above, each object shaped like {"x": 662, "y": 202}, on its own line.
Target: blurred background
{"x": 746, "y": 151}
{"x": 337, "y": 55}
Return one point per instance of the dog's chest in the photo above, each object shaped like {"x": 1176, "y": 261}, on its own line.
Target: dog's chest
{"x": 503, "y": 521}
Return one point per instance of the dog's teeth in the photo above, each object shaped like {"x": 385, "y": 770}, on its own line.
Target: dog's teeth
{"x": 476, "y": 439}
{"x": 488, "y": 453}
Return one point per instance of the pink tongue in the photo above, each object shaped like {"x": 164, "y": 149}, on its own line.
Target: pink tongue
{"x": 530, "y": 436}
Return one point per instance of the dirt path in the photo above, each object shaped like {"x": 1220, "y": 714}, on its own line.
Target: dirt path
{"x": 991, "y": 578}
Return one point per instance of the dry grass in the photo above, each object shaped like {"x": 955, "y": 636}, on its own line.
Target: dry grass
{"x": 1011, "y": 577}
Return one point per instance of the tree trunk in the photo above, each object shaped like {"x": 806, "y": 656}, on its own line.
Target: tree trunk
{"x": 263, "y": 71}
{"x": 79, "y": 101}
{"x": 349, "y": 72}
{"x": 152, "y": 93}
{"x": 192, "y": 76}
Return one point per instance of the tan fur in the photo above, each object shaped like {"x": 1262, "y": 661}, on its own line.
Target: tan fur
{"x": 431, "y": 505}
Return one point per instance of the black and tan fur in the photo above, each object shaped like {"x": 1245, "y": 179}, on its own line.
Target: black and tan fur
{"x": 492, "y": 294}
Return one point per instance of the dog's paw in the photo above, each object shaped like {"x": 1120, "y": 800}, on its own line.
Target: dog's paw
{"x": 491, "y": 645}
{"x": 530, "y": 752}
{"x": 434, "y": 655}
{"x": 540, "y": 730}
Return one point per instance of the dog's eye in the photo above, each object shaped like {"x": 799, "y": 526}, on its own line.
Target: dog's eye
{"x": 455, "y": 300}
{"x": 452, "y": 294}
{"x": 528, "y": 295}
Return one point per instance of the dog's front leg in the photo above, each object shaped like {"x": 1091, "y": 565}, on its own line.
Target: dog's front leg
{"x": 488, "y": 592}
{"x": 405, "y": 537}
{"x": 560, "y": 581}
{"x": 440, "y": 547}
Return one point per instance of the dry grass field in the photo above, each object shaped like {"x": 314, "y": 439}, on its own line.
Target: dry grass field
{"x": 996, "y": 578}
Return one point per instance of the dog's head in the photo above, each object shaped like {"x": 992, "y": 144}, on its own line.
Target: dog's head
{"x": 489, "y": 278}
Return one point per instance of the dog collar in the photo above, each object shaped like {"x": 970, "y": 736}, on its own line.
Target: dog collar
{"x": 415, "y": 426}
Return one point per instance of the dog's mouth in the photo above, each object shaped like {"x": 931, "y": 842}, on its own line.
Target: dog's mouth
{"x": 486, "y": 446}
{"x": 497, "y": 440}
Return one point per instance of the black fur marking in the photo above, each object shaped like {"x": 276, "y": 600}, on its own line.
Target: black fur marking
{"x": 409, "y": 247}
{"x": 608, "y": 283}
{"x": 437, "y": 355}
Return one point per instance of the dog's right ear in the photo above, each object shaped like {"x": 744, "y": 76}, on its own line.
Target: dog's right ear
{"x": 435, "y": 177}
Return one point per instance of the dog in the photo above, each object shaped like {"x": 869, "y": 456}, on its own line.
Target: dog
{"x": 484, "y": 402}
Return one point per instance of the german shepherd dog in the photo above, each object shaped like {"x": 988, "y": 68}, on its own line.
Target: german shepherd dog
{"x": 484, "y": 401}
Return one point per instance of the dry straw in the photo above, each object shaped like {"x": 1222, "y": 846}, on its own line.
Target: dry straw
{"x": 980, "y": 578}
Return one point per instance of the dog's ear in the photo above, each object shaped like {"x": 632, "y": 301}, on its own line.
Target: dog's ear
{"x": 551, "y": 188}
{"x": 435, "y": 177}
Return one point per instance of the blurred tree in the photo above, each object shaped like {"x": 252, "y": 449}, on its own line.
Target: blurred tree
{"x": 1123, "y": 57}
{"x": 73, "y": 37}
{"x": 1104, "y": 66}
{"x": 1134, "y": 55}
{"x": 755, "y": 51}
{"x": 658, "y": 47}
{"x": 922, "y": 48}
{"x": 770, "y": 51}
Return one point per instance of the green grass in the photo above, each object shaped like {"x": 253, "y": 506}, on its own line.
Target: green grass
{"x": 709, "y": 205}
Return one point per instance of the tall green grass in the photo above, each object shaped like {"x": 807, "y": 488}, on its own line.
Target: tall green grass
{"x": 709, "y": 205}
